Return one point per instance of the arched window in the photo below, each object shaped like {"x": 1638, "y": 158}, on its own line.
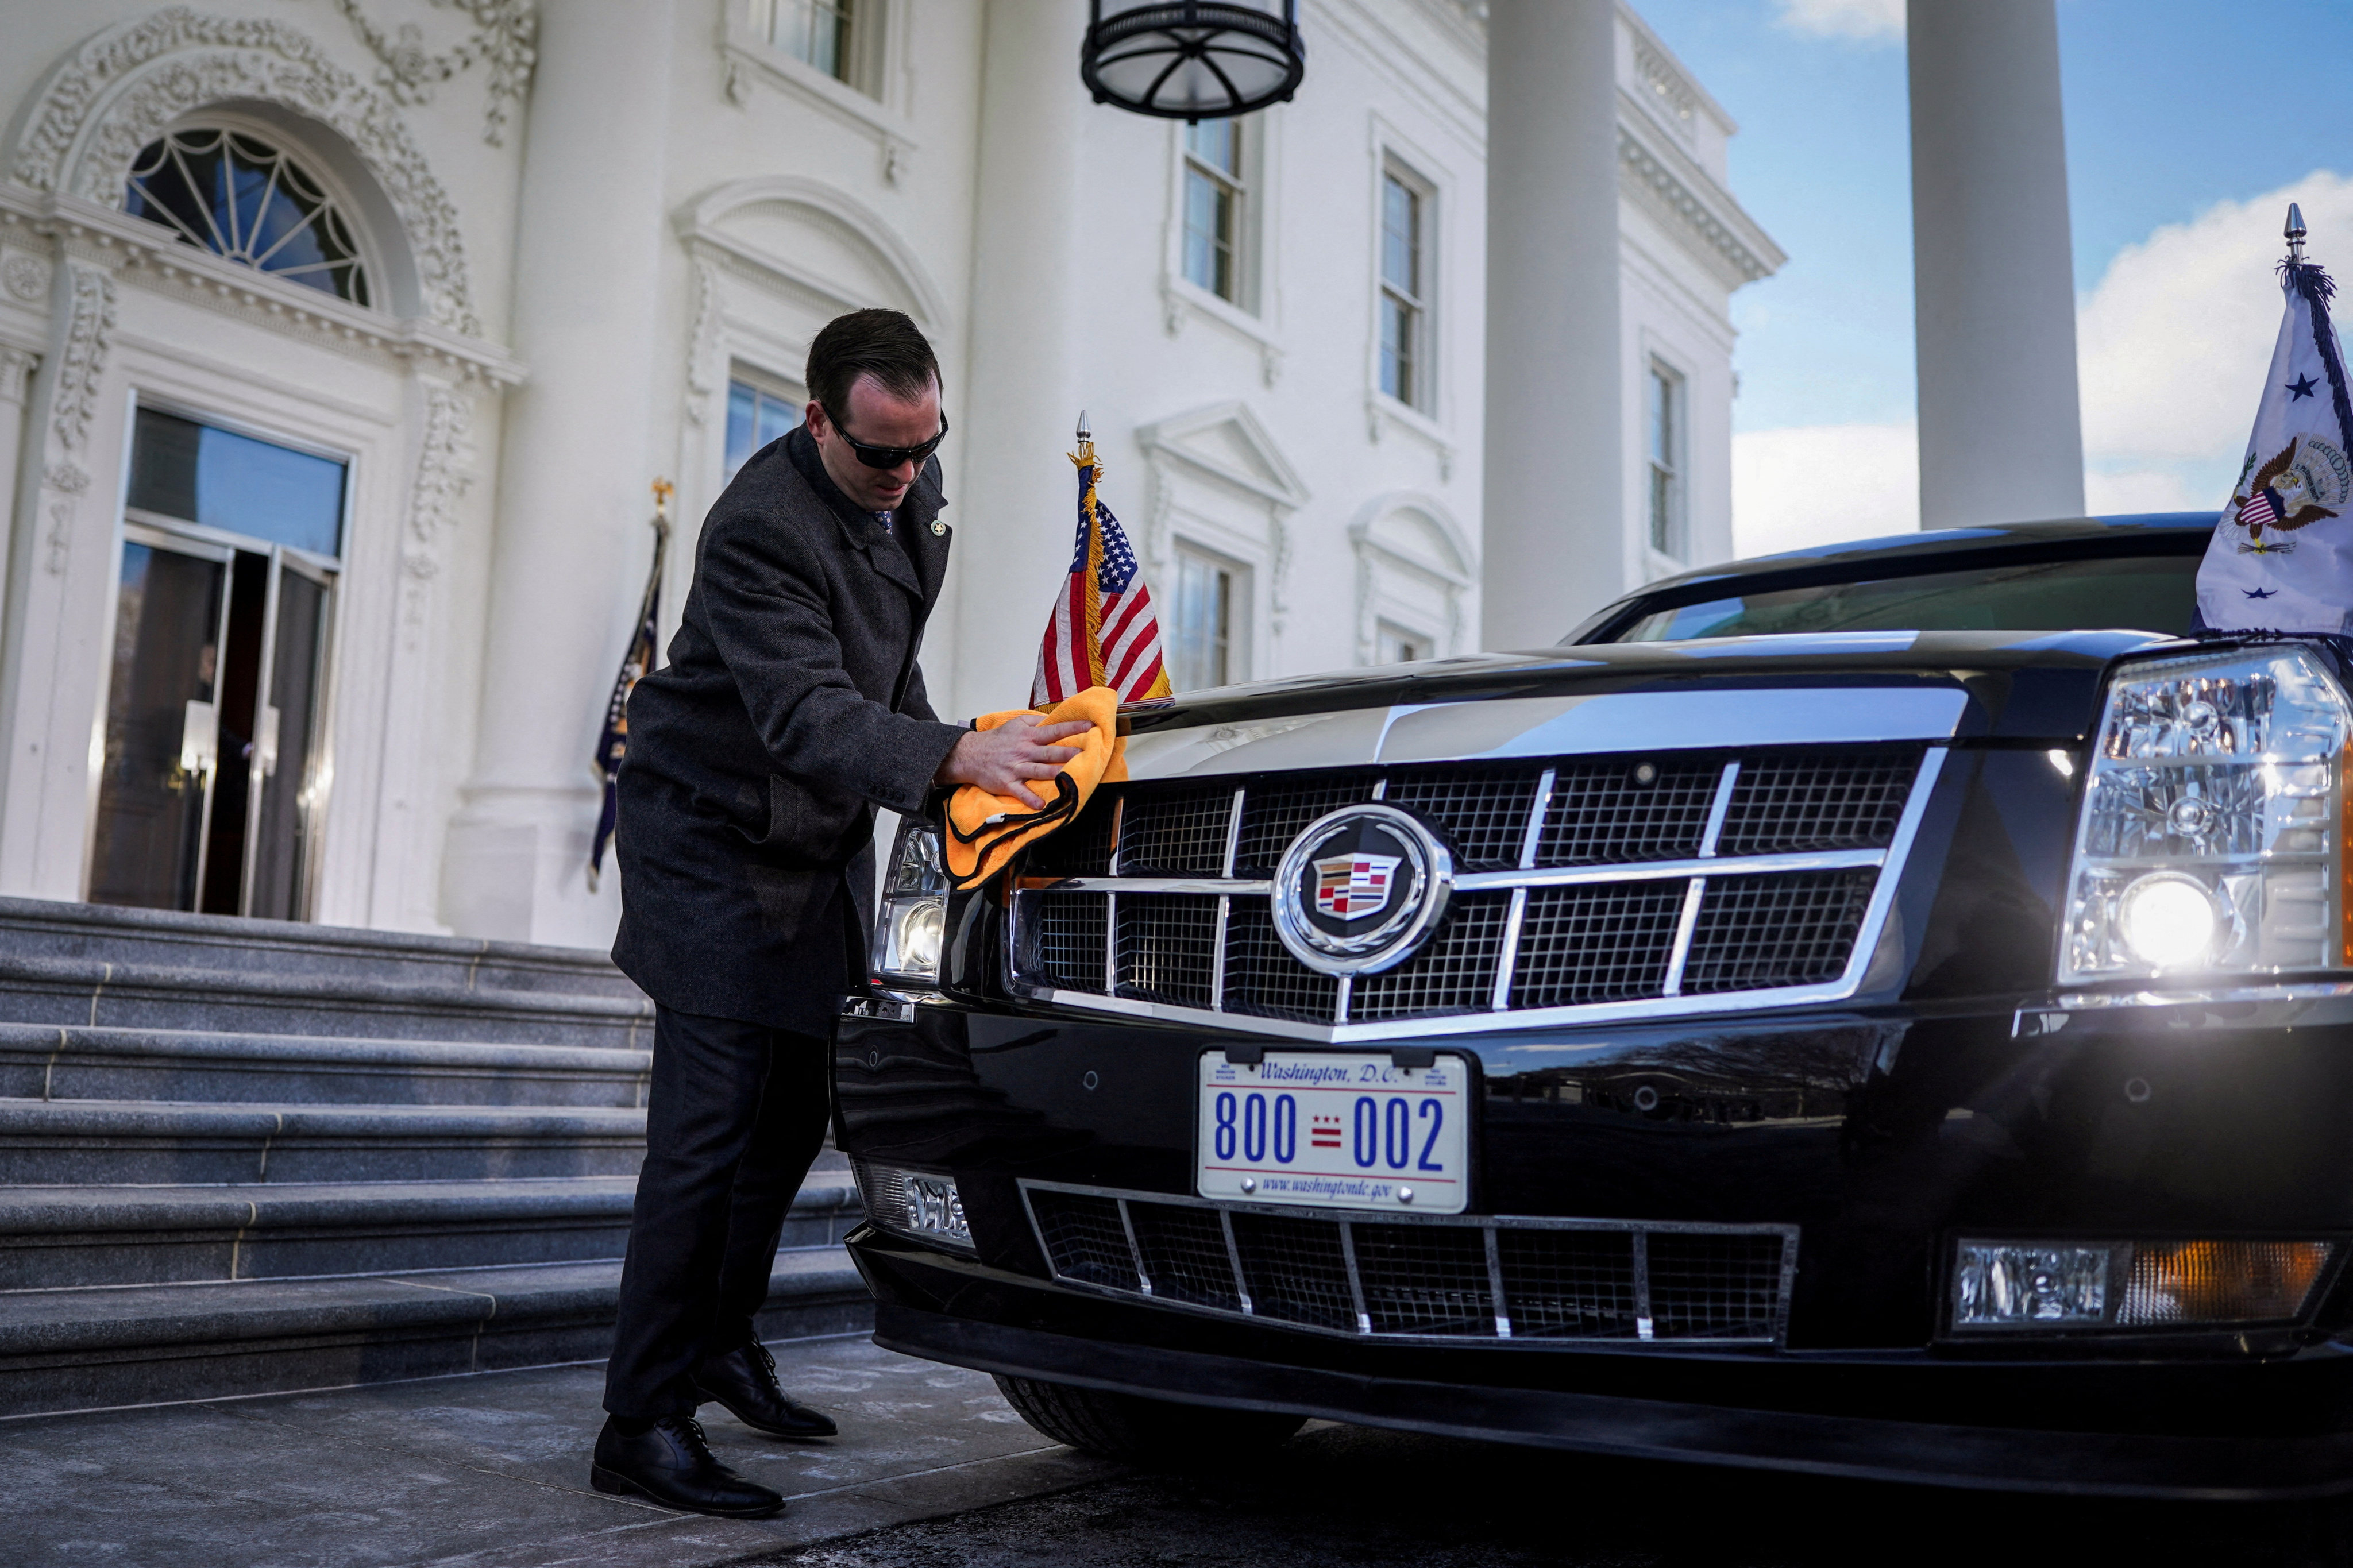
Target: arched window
{"x": 237, "y": 196}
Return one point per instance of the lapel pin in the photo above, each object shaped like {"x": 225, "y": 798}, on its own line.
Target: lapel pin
{"x": 938, "y": 527}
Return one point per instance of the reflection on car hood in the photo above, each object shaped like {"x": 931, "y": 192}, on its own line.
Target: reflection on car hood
{"x": 1703, "y": 694}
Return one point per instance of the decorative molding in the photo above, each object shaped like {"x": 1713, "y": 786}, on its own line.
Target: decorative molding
{"x": 116, "y": 93}
{"x": 880, "y": 115}
{"x": 1725, "y": 236}
{"x": 73, "y": 402}
{"x": 1450, "y": 579}
{"x": 506, "y": 33}
{"x": 17, "y": 366}
{"x": 702, "y": 341}
{"x": 1384, "y": 414}
{"x": 90, "y": 328}
{"x": 149, "y": 256}
{"x": 440, "y": 483}
{"x": 699, "y": 226}
{"x": 1171, "y": 448}
{"x": 25, "y": 276}
{"x": 1670, "y": 90}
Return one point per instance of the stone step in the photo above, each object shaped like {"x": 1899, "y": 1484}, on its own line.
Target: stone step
{"x": 42, "y": 1061}
{"x": 68, "y": 990}
{"x": 79, "y": 1349}
{"x": 168, "y": 939}
{"x": 96, "y": 1142}
{"x": 56, "y": 1238}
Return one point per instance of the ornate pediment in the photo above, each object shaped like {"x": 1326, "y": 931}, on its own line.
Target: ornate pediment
{"x": 1226, "y": 441}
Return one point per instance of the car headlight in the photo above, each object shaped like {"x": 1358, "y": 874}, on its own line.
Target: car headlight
{"x": 911, "y": 918}
{"x": 2212, "y": 831}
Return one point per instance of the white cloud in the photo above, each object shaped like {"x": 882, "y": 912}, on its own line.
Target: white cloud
{"x": 1822, "y": 483}
{"x": 1871, "y": 19}
{"x": 2174, "y": 342}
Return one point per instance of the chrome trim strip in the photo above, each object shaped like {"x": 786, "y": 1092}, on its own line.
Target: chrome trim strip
{"x": 1542, "y": 804}
{"x": 1642, "y": 1281}
{"x": 1717, "y": 809}
{"x": 1118, "y": 828}
{"x": 1141, "y": 885}
{"x": 1491, "y": 1225}
{"x": 1495, "y": 1284}
{"x": 1233, "y": 834}
{"x": 1217, "y": 955}
{"x": 2290, "y": 991}
{"x": 1135, "y": 1252}
{"x": 1507, "y": 958}
{"x": 1668, "y": 870}
{"x": 1110, "y": 943}
{"x": 1487, "y": 882}
{"x": 1340, "y": 1007}
{"x": 1686, "y": 927}
{"x": 1899, "y": 855}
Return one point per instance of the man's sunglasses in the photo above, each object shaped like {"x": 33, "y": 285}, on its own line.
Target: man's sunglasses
{"x": 875, "y": 456}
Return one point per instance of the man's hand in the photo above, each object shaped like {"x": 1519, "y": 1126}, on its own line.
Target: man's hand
{"x": 1000, "y": 759}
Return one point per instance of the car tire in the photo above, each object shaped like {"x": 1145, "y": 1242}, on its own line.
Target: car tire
{"x": 1139, "y": 1431}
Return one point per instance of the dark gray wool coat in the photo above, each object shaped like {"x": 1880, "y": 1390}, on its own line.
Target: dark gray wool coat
{"x": 790, "y": 708}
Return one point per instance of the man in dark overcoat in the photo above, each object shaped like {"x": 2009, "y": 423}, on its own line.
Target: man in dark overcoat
{"x": 792, "y": 706}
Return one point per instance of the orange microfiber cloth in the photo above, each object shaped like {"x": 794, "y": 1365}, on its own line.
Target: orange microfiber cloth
{"x": 984, "y": 829}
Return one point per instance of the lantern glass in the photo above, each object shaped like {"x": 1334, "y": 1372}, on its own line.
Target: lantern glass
{"x": 1193, "y": 59}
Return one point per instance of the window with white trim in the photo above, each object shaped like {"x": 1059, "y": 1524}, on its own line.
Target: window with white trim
{"x": 1405, "y": 269}
{"x": 1215, "y": 198}
{"x": 1201, "y": 633}
{"x": 1662, "y": 438}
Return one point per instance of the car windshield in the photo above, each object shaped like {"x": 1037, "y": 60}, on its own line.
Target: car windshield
{"x": 2147, "y": 593}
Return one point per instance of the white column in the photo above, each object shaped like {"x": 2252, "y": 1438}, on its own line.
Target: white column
{"x": 576, "y": 463}
{"x": 1556, "y": 541}
{"x": 1022, "y": 366}
{"x": 2001, "y": 433}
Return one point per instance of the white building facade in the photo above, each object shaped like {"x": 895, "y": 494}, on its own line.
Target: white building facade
{"x": 342, "y": 342}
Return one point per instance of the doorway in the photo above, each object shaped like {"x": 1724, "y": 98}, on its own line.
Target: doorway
{"x": 211, "y": 792}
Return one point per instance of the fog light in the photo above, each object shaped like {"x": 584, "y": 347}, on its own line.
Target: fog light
{"x": 2006, "y": 1285}
{"x": 2029, "y": 1285}
{"x": 913, "y": 1203}
{"x": 2168, "y": 920}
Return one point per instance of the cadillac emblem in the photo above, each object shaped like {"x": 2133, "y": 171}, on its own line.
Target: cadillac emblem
{"x": 1361, "y": 890}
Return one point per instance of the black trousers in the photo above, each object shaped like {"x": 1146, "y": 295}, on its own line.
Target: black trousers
{"x": 736, "y": 1113}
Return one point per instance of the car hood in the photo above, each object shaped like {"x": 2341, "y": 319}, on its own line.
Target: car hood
{"x": 1704, "y": 694}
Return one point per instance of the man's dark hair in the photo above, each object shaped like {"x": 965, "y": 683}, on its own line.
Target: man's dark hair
{"x": 884, "y": 344}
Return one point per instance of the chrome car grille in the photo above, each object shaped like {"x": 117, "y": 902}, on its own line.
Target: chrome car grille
{"x": 1503, "y": 1279}
{"x": 1581, "y": 890}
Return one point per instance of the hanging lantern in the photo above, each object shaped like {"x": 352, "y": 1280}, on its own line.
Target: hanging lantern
{"x": 1192, "y": 60}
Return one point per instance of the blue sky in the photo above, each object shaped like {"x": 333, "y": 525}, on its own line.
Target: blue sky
{"x": 2171, "y": 107}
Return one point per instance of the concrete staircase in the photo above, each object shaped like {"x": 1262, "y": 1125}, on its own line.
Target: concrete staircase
{"x": 246, "y": 1156}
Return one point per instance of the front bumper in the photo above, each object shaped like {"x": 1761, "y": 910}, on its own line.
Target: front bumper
{"x": 1880, "y": 1134}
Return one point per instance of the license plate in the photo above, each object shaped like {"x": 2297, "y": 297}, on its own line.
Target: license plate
{"x": 1335, "y": 1130}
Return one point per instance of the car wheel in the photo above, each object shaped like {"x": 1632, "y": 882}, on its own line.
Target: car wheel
{"x": 1140, "y": 1431}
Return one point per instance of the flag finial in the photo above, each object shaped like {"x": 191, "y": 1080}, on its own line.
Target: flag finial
{"x": 1084, "y": 434}
{"x": 2295, "y": 232}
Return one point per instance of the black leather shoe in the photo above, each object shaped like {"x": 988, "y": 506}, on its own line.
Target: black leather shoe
{"x": 669, "y": 1463}
{"x": 744, "y": 1381}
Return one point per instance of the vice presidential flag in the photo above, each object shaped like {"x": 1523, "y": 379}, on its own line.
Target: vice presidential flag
{"x": 645, "y": 639}
{"x": 1102, "y": 631}
{"x": 2282, "y": 556}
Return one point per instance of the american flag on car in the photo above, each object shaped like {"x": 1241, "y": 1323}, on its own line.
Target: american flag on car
{"x": 1102, "y": 631}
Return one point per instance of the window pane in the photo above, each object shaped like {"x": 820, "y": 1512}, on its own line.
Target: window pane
{"x": 742, "y": 422}
{"x": 817, "y": 31}
{"x": 1202, "y": 643}
{"x": 1210, "y": 209}
{"x": 777, "y": 418}
{"x": 1662, "y": 513}
{"x": 1400, "y": 236}
{"x": 1217, "y": 142}
{"x": 184, "y": 469}
{"x": 1397, "y": 326}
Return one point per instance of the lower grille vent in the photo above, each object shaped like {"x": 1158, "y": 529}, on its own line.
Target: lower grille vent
{"x": 1435, "y": 1277}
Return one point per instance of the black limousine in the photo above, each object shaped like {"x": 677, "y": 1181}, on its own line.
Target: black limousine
{"x": 1884, "y": 1010}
